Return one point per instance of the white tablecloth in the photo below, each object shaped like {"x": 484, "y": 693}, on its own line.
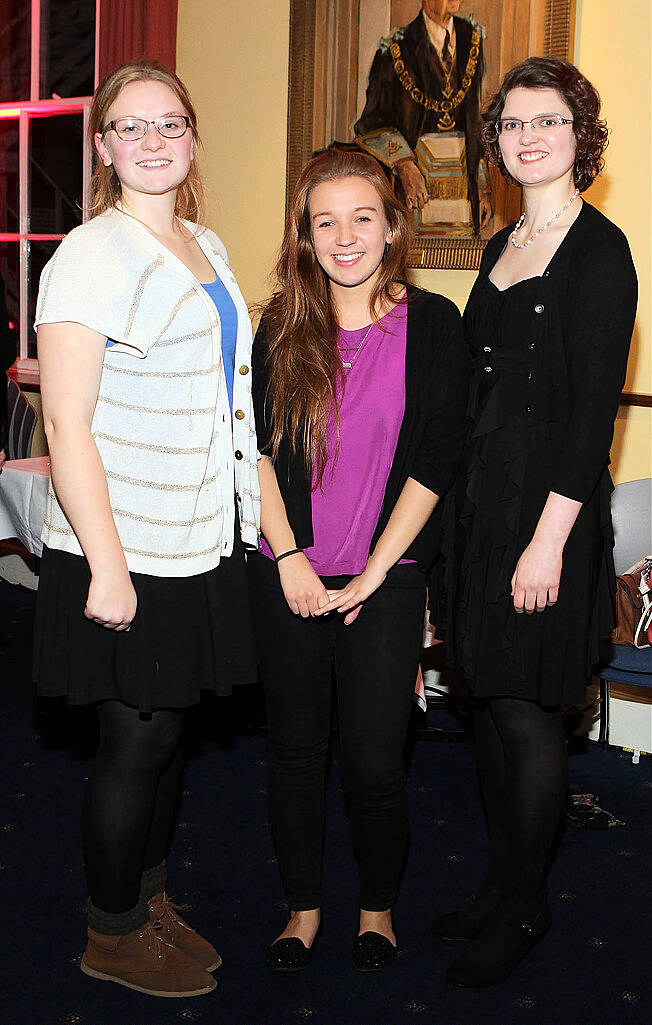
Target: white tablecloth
{"x": 23, "y": 493}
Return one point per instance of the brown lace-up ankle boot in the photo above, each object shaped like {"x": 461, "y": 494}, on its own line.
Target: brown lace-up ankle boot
{"x": 172, "y": 928}
{"x": 142, "y": 960}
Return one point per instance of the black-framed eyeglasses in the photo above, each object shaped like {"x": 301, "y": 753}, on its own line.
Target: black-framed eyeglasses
{"x": 130, "y": 129}
{"x": 541, "y": 123}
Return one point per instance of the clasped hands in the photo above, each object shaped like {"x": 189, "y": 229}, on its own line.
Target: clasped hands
{"x": 535, "y": 583}
{"x": 306, "y": 595}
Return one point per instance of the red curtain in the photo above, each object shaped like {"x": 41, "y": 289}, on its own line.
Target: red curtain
{"x": 132, "y": 29}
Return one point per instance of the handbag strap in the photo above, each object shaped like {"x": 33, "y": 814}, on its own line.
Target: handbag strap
{"x": 645, "y": 619}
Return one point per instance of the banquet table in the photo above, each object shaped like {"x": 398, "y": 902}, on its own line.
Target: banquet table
{"x": 23, "y": 495}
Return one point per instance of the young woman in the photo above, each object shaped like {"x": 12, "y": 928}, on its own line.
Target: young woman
{"x": 142, "y": 599}
{"x": 359, "y": 390}
{"x": 529, "y": 564}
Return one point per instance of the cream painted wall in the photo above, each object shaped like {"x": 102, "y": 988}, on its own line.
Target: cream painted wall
{"x": 623, "y": 190}
{"x": 234, "y": 58}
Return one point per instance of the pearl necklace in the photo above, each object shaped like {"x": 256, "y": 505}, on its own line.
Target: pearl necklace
{"x": 346, "y": 365}
{"x": 522, "y": 245}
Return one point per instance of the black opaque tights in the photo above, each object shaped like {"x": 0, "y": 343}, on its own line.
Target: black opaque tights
{"x": 522, "y": 763}
{"x": 130, "y": 801}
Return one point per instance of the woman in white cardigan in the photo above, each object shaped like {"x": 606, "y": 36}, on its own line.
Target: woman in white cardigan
{"x": 144, "y": 345}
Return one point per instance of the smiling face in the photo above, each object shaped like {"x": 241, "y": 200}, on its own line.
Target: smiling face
{"x": 349, "y": 230}
{"x": 531, "y": 157}
{"x": 151, "y": 165}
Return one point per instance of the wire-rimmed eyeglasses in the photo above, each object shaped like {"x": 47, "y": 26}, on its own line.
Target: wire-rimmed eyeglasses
{"x": 541, "y": 123}
{"x": 130, "y": 129}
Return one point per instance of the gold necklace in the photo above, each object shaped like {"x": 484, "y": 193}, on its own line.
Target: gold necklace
{"x": 450, "y": 102}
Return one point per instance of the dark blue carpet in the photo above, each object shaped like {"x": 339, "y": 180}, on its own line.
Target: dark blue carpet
{"x": 591, "y": 969}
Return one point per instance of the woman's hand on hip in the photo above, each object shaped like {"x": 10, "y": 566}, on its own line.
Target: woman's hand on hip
{"x": 535, "y": 583}
{"x": 112, "y": 600}
{"x": 303, "y": 590}
{"x": 352, "y": 597}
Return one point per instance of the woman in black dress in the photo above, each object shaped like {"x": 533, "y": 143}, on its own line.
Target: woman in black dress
{"x": 529, "y": 570}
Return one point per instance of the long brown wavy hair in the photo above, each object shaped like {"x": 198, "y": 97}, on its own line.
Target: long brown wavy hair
{"x": 105, "y": 184}
{"x": 301, "y": 328}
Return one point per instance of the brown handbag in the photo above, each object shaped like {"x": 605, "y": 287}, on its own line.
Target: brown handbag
{"x": 633, "y": 606}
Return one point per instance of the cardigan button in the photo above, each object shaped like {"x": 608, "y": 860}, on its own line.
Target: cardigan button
{"x": 487, "y": 348}
{"x": 239, "y": 414}
{"x": 530, "y": 376}
{"x": 539, "y": 308}
{"x": 487, "y": 370}
{"x": 532, "y": 345}
{"x": 244, "y": 369}
{"x": 237, "y": 454}
{"x": 528, "y": 410}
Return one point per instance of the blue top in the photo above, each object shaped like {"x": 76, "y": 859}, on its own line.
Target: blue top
{"x": 229, "y": 320}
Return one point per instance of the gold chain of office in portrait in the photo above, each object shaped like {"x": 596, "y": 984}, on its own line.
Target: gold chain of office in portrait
{"x": 449, "y": 102}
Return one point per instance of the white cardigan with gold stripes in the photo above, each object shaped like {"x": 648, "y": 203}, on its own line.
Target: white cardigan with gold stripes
{"x": 174, "y": 457}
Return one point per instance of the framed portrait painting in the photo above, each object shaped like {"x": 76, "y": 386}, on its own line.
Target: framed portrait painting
{"x": 405, "y": 81}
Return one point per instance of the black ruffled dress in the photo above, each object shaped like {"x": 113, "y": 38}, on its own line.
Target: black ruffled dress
{"x": 542, "y": 417}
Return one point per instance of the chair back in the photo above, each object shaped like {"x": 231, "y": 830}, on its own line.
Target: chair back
{"x": 631, "y": 512}
{"x": 21, "y": 419}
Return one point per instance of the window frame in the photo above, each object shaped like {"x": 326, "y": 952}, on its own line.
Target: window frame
{"x": 23, "y": 111}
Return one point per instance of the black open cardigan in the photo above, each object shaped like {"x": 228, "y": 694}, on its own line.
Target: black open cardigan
{"x": 579, "y": 332}
{"x": 432, "y": 430}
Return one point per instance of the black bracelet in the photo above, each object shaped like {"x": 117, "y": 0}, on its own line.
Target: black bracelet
{"x": 293, "y": 551}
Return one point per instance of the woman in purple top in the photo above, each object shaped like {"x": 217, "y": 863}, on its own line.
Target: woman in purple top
{"x": 359, "y": 390}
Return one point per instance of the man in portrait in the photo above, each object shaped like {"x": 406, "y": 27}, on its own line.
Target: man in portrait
{"x": 422, "y": 116}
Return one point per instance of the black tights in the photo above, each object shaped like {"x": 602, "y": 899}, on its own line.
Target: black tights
{"x": 522, "y": 763}
{"x": 130, "y": 801}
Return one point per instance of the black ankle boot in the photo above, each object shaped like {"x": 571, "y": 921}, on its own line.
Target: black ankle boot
{"x": 468, "y": 921}
{"x": 503, "y": 944}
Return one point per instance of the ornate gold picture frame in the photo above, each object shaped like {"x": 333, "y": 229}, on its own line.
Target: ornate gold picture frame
{"x": 332, "y": 47}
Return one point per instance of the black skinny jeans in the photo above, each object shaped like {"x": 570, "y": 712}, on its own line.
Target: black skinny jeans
{"x": 376, "y": 662}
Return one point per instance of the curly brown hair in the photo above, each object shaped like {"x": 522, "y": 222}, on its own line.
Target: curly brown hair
{"x": 580, "y": 96}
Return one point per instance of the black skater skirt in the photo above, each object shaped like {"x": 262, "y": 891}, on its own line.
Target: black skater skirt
{"x": 189, "y": 634}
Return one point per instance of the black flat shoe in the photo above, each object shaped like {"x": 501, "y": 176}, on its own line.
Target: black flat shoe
{"x": 505, "y": 941}
{"x": 288, "y": 955}
{"x": 372, "y": 951}
{"x": 468, "y": 921}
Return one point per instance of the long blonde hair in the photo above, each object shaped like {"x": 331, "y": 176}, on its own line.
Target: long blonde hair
{"x": 300, "y": 324}
{"x": 106, "y": 188}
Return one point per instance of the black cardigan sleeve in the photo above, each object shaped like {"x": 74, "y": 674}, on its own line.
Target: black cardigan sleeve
{"x": 446, "y": 370}
{"x": 259, "y": 387}
{"x": 603, "y": 295}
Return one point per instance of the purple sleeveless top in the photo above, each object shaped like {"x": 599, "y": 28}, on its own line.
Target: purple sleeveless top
{"x": 346, "y": 509}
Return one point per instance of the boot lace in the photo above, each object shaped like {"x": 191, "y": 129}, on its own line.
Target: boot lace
{"x": 155, "y": 943}
{"x": 164, "y": 913}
